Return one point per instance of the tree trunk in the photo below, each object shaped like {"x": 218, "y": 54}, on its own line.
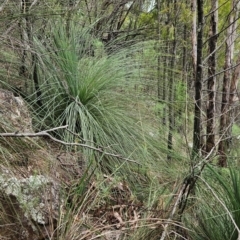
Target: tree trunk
{"x": 166, "y": 67}
{"x": 159, "y": 57}
{"x": 182, "y": 108}
{"x": 24, "y": 40}
{"x": 234, "y": 83}
{"x": 224, "y": 107}
{"x": 171, "y": 88}
{"x": 210, "y": 140}
{"x": 194, "y": 37}
{"x": 198, "y": 84}
{"x": 224, "y": 133}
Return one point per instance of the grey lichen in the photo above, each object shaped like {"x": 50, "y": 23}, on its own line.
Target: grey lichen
{"x": 34, "y": 195}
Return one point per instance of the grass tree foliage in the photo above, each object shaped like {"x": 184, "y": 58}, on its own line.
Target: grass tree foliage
{"x": 216, "y": 214}
{"x": 92, "y": 93}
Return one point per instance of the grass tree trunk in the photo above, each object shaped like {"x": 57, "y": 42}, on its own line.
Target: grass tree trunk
{"x": 198, "y": 83}
{"x": 210, "y": 140}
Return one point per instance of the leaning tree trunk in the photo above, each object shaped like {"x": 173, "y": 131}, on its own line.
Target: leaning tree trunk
{"x": 210, "y": 140}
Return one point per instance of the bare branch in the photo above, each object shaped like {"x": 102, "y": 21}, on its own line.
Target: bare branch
{"x": 221, "y": 72}
{"x": 46, "y": 134}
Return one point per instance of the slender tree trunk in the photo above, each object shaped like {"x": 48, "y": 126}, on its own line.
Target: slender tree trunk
{"x": 235, "y": 77}
{"x": 194, "y": 37}
{"x": 28, "y": 67}
{"x": 233, "y": 96}
{"x": 198, "y": 83}
{"x": 170, "y": 101}
{"x": 229, "y": 87}
{"x": 224, "y": 128}
{"x": 164, "y": 87}
{"x": 184, "y": 70}
{"x": 24, "y": 40}
{"x": 223, "y": 144}
{"x": 165, "y": 69}
{"x": 171, "y": 88}
{"x": 210, "y": 140}
{"x": 234, "y": 83}
{"x": 159, "y": 57}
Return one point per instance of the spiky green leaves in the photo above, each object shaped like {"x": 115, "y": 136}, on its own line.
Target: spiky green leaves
{"x": 93, "y": 95}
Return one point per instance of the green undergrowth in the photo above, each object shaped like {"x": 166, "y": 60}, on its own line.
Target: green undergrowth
{"x": 94, "y": 96}
{"x": 215, "y": 212}
{"x": 98, "y": 93}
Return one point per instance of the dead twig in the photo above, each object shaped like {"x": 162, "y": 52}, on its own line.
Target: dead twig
{"x": 45, "y": 133}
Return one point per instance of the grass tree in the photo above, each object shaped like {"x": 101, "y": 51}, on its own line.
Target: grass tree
{"x": 93, "y": 93}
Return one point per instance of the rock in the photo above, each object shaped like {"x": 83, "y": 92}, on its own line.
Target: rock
{"x": 14, "y": 112}
{"x": 30, "y": 199}
{"x": 33, "y": 201}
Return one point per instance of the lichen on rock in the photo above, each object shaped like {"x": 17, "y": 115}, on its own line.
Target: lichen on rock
{"x": 36, "y": 195}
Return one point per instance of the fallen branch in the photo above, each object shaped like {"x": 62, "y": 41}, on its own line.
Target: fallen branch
{"x": 46, "y": 134}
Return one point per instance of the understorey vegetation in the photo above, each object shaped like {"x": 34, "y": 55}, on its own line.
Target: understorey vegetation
{"x": 119, "y": 119}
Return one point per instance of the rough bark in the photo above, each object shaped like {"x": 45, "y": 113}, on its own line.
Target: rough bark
{"x": 223, "y": 144}
{"x": 210, "y": 140}
{"x": 198, "y": 83}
